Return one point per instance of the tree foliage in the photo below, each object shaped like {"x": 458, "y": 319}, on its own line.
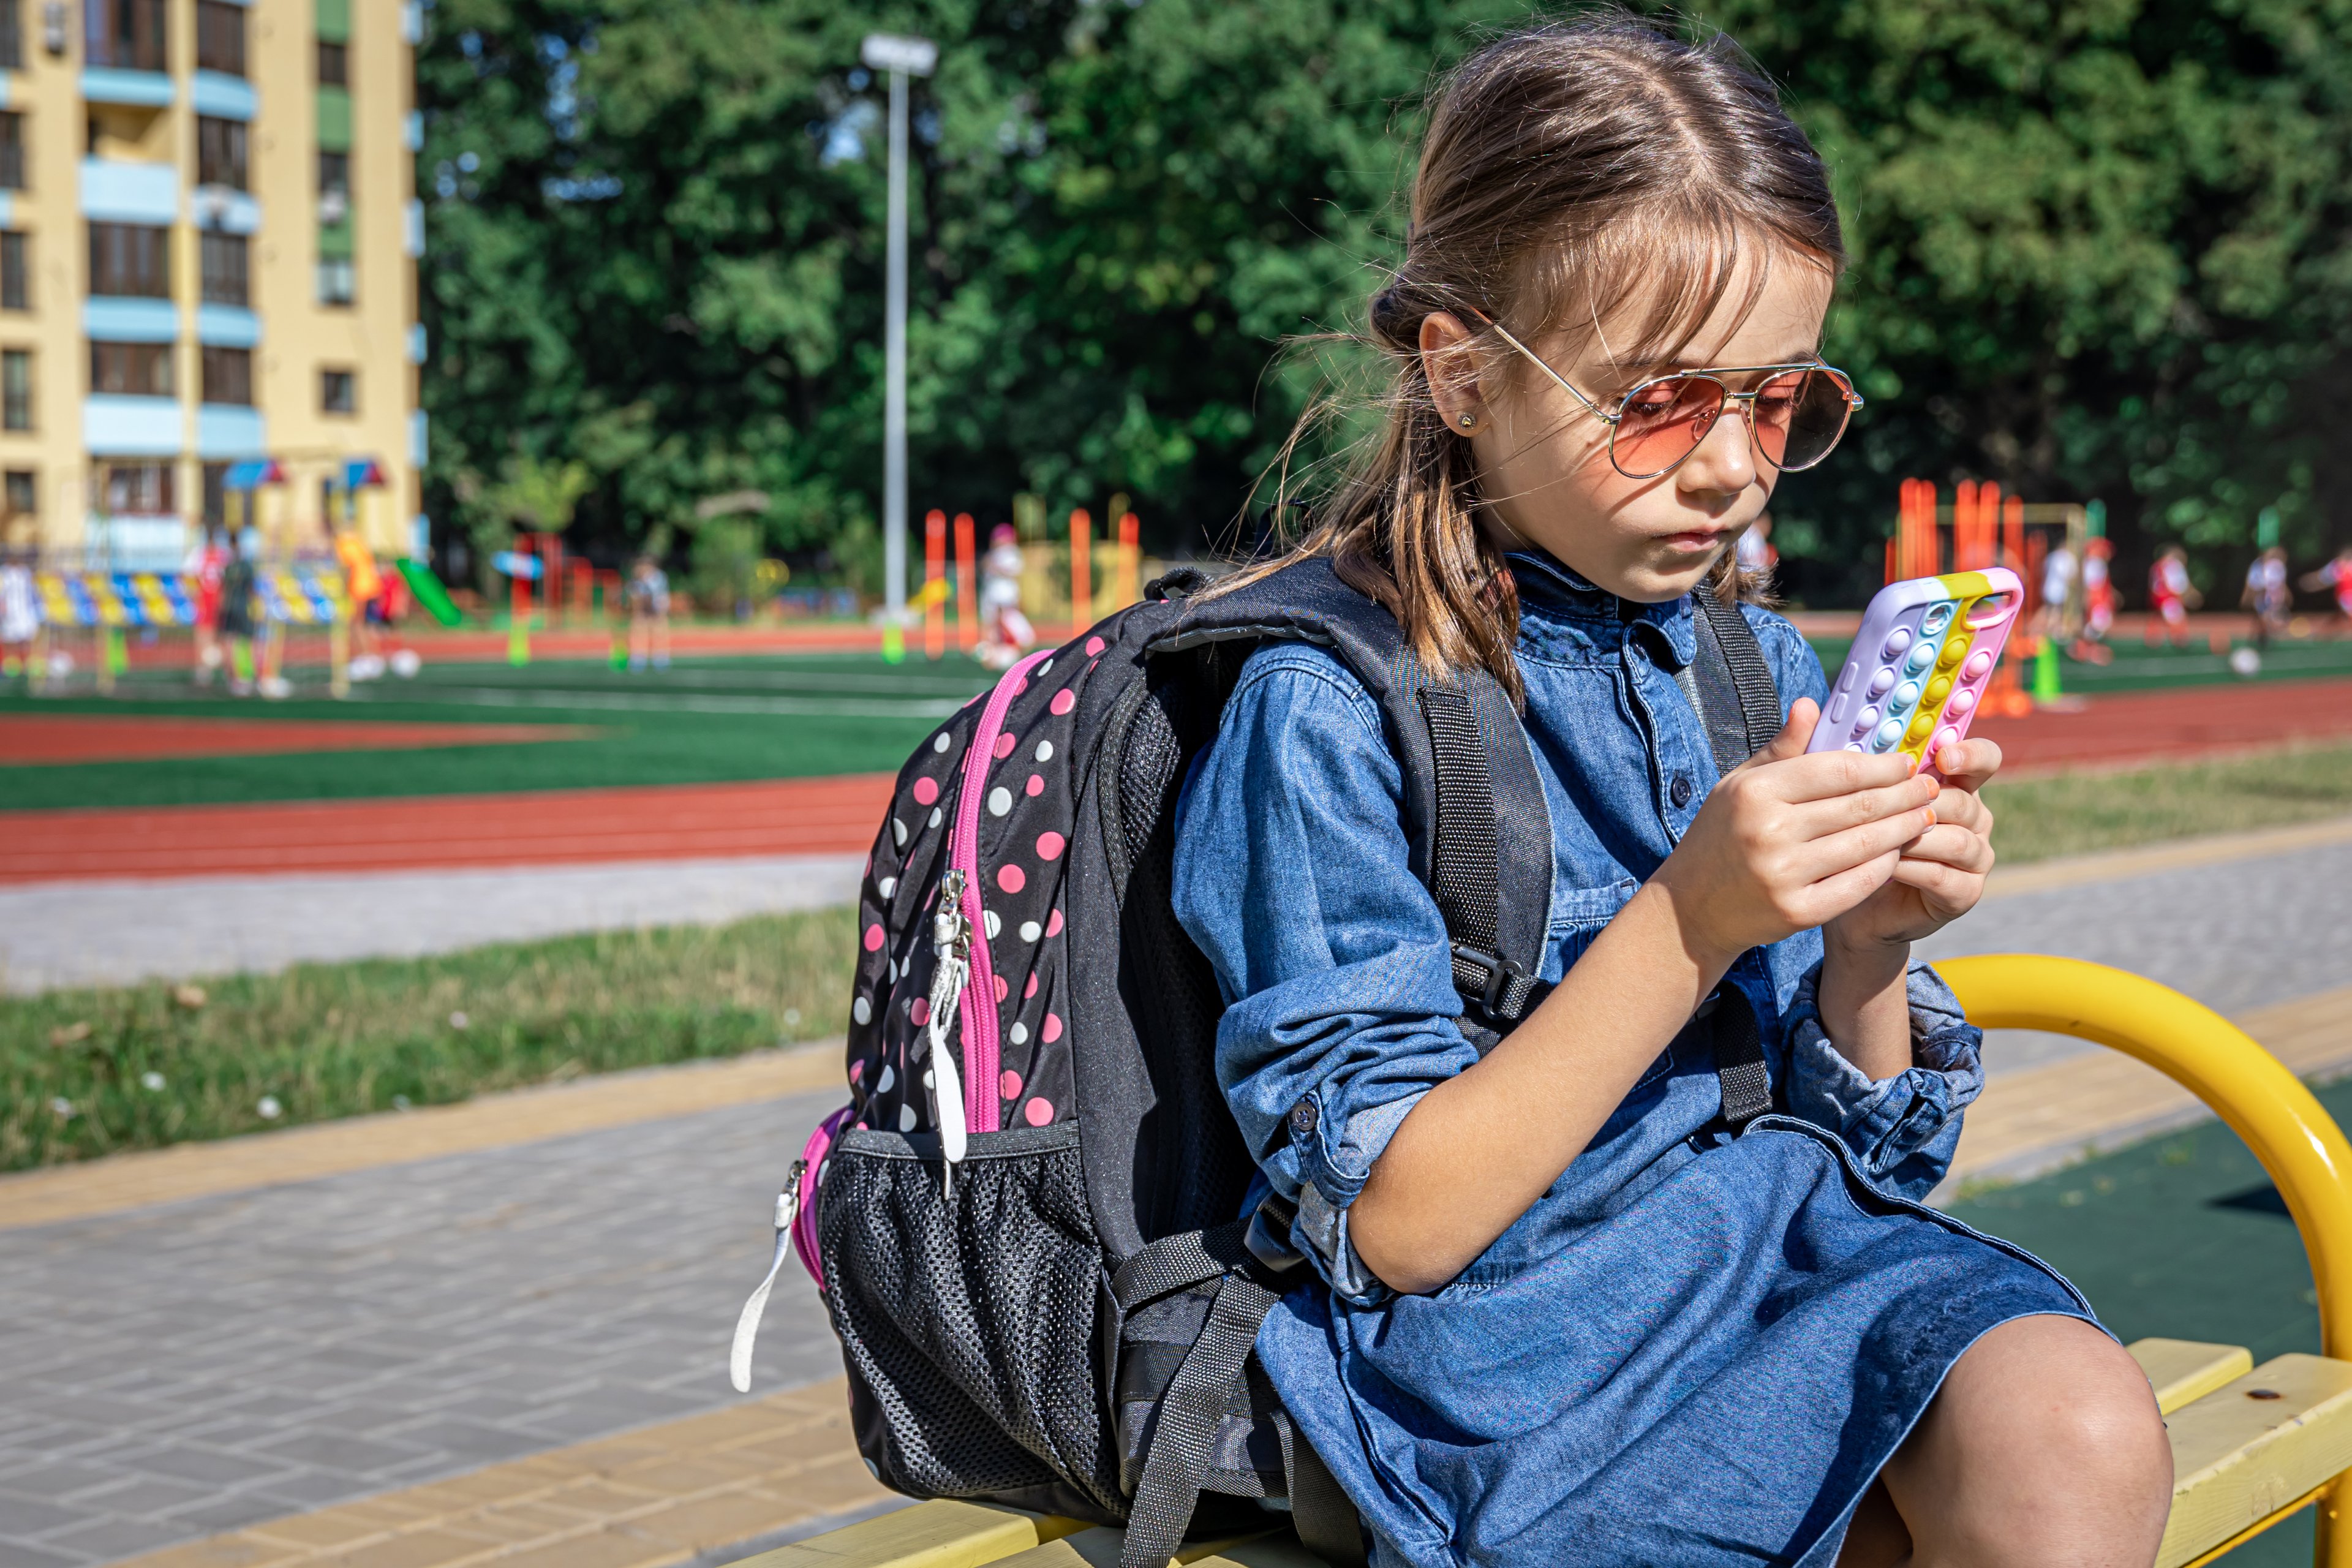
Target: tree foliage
{"x": 2097, "y": 249}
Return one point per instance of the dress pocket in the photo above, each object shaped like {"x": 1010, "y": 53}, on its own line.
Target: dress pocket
{"x": 970, "y": 1317}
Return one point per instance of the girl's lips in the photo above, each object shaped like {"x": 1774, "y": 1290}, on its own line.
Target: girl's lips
{"x": 1696, "y": 539}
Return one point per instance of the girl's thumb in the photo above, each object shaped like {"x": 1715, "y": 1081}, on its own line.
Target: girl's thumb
{"x": 1794, "y": 736}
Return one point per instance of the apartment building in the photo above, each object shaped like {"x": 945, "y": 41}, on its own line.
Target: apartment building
{"x": 208, "y": 242}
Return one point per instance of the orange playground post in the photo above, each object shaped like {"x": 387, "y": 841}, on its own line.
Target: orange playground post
{"x": 935, "y": 567}
{"x": 967, "y": 612}
{"x": 1082, "y": 587}
{"x": 1131, "y": 558}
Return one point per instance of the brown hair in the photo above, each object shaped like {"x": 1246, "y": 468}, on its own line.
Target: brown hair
{"x": 1567, "y": 168}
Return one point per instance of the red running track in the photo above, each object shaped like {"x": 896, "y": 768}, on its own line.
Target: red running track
{"x": 29, "y": 739}
{"x": 839, "y": 816}
{"x": 548, "y": 828}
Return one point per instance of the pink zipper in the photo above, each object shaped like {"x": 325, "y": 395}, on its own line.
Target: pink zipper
{"x": 811, "y": 1167}
{"x": 981, "y": 1049}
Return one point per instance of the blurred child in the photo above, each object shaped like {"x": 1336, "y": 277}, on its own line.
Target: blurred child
{"x": 238, "y": 580}
{"x": 1005, "y": 633}
{"x": 2098, "y": 604}
{"x": 2171, "y": 595}
{"x": 20, "y": 620}
{"x": 2337, "y": 574}
{"x": 648, "y": 614}
{"x": 2266, "y": 595}
{"x": 202, "y": 568}
{"x": 363, "y": 583}
{"x": 1755, "y": 546}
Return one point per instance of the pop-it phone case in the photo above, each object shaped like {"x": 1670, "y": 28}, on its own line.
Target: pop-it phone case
{"x": 1920, "y": 664}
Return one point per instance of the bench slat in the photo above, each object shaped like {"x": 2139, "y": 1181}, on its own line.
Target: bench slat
{"x": 2181, "y": 1371}
{"x": 2237, "y": 1458}
{"x": 937, "y": 1534}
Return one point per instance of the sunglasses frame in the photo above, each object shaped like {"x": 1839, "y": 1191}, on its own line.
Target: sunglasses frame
{"x": 1715, "y": 373}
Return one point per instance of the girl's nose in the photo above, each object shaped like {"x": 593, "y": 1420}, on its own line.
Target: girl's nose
{"x": 1724, "y": 461}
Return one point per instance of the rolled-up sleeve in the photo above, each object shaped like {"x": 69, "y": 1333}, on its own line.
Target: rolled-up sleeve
{"x": 1293, "y": 875}
{"x": 1901, "y": 1131}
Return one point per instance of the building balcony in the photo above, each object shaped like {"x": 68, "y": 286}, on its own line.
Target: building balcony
{"x": 228, "y": 431}
{"x": 228, "y": 327}
{"x": 118, "y": 192}
{"x": 115, "y": 319}
{"x": 118, "y": 426}
{"x": 227, "y": 209}
{"x": 137, "y": 88}
{"x": 222, "y": 95}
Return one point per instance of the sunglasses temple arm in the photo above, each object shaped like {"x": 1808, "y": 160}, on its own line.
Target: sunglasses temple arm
{"x": 1534, "y": 360}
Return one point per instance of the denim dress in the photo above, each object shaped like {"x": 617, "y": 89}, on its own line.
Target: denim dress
{"x": 1693, "y": 1349}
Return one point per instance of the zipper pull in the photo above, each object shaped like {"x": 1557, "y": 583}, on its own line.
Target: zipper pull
{"x": 747, "y": 1326}
{"x": 951, "y": 941}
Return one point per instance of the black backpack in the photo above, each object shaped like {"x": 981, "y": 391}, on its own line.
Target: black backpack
{"x": 1027, "y": 1241}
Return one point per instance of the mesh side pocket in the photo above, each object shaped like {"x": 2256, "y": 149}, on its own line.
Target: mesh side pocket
{"x": 970, "y": 1323}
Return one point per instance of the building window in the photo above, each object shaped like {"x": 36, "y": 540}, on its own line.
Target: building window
{"x": 220, "y": 37}
{"x": 127, "y": 35}
{"x": 215, "y": 485}
{"x": 337, "y": 281}
{"x": 12, "y": 151}
{"x": 223, "y": 261}
{"x": 334, "y": 187}
{"x": 136, "y": 489}
{"x": 16, "y": 270}
{"x": 339, "y": 392}
{"x": 129, "y": 259}
{"x": 22, "y": 498}
{"x": 220, "y": 152}
{"x": 228, "y": 376}
{"x": 130, "y": 370}
{"x": 334, "y": 64}
{"x": 16, "y": 389}
{"x": 12, "y": 36}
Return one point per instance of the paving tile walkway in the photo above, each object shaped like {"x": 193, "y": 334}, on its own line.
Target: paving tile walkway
{"x": 429, "y": 1362}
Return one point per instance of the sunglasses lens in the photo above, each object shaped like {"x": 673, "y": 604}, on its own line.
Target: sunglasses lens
{"x": 1662, "y": 421}
{"x": 1799, "y": 415}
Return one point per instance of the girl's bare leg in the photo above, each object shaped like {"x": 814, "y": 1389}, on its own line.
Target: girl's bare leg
{"x": 2044, "y": 1449}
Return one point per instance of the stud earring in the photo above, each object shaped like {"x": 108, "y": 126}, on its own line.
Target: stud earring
{"x": 1469, "y": 421}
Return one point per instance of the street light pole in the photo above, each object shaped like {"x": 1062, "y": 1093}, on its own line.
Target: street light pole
{"x": 902, "y": 58}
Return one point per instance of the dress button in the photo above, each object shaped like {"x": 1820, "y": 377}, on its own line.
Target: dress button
{"x": 1680, "y": 791}
{"x": 1303, "y": 1118}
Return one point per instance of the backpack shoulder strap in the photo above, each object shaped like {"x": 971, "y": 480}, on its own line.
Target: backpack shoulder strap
{"x": 1474, "y": 809}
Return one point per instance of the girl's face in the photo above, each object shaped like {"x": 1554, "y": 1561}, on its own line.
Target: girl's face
{"x": 1543, "y": 459}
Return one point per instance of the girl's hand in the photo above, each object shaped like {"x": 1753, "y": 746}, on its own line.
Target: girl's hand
{"x": 1789, "y": 841}
{"x": 1942, "y": 875}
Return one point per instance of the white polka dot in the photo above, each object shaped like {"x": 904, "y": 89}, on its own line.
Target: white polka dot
{"x": 929, "y": 1079}
{"x": 1000, "y": 801}
{"x": 995, "y": 924}
{"x": 1044, "y": 751}
{"x": 1030, "y": 930}
{"x": 862, "y": 1010}
{"x": 894, "y": 971}
{"x": 888, "y": 885}
{"x": 899, "y": 832}
{"x": 889, "y": 1076}
{"x": 940, "y": 744}
{"x": 1044, "y": 667}
{"x": 1020, "y": 1034}
{"x": 935, "y": 816}
{"x": 906, "y": 1119}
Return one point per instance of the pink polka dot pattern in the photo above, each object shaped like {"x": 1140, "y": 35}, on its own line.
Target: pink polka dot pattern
{"x": 1036, "y": 786}
{"x": 1031, "y": 989}
{"x": 1064, "y": 701}
{"x": 1094, "y": 646}
{"x": 1049, "y": 846}
{"x": 1053, "y": 923}
{"x": 856, "y": 1071}
{"x": 874, "y": 939}
{"x": 1004, "y": 745}
{"x": 921, "y": 1011}
{"x": 1004, "y": 988}
{"x": 1053, "y": 1029}
{"x": 926, "y": 790}
{"x": 1012, "y": 879}
{"x": 1008, "y": 1086}
{"x": 1037, "y": 1113}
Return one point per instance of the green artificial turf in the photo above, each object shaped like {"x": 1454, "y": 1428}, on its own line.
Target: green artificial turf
{"x": 705, "y": 722}
{"x": 93, "y": 1071}
{"x": 2184, "y": 1237}
{"x": 2074, "y": 814}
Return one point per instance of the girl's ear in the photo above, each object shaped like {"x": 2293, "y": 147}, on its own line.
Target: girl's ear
{"x": 1450, "y": 360}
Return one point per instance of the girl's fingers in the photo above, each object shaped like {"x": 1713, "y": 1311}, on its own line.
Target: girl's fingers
{"x": 1835, "y": 894}
{"x": 1961, "y": 809}
{"x": 1824, "y": 858}
{"x": 1821, "y": 775}
{"x": 1948, "y": 890}
{"x": 1968, "y": 765}
{"x": 1819, "y": 819}
{"x": 1945, "y": 845}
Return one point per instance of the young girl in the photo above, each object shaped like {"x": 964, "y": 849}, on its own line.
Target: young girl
{"x": 1572, "y": 1317}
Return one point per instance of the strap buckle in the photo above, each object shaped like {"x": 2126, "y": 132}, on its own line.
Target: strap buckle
{"x": 1267, "y": 1237}
{"x": 1505, "y": 992}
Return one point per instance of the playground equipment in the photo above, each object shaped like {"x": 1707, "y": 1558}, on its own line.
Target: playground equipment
{"x": 87, "y": 620}
{"x": 2251, "y": 1445}
{"x": 1980, "y": 528}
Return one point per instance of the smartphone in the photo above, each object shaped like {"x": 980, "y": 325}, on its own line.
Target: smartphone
{"x": 1919, "y": 666}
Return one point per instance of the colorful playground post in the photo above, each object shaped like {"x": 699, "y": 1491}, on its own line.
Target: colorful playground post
{"x": 935, "y": 567}
{"x": 1131, "y": 558}
{"x": 1082, "y": 587}
{"x": 967, "y": 612}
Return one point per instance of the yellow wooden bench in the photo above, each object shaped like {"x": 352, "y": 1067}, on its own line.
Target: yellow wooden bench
{"x": 2250, "y": 1444}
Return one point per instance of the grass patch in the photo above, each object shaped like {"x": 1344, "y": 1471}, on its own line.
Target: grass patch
{"x": 91, "y": 1072}
{"x": 2073, "y": 813}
